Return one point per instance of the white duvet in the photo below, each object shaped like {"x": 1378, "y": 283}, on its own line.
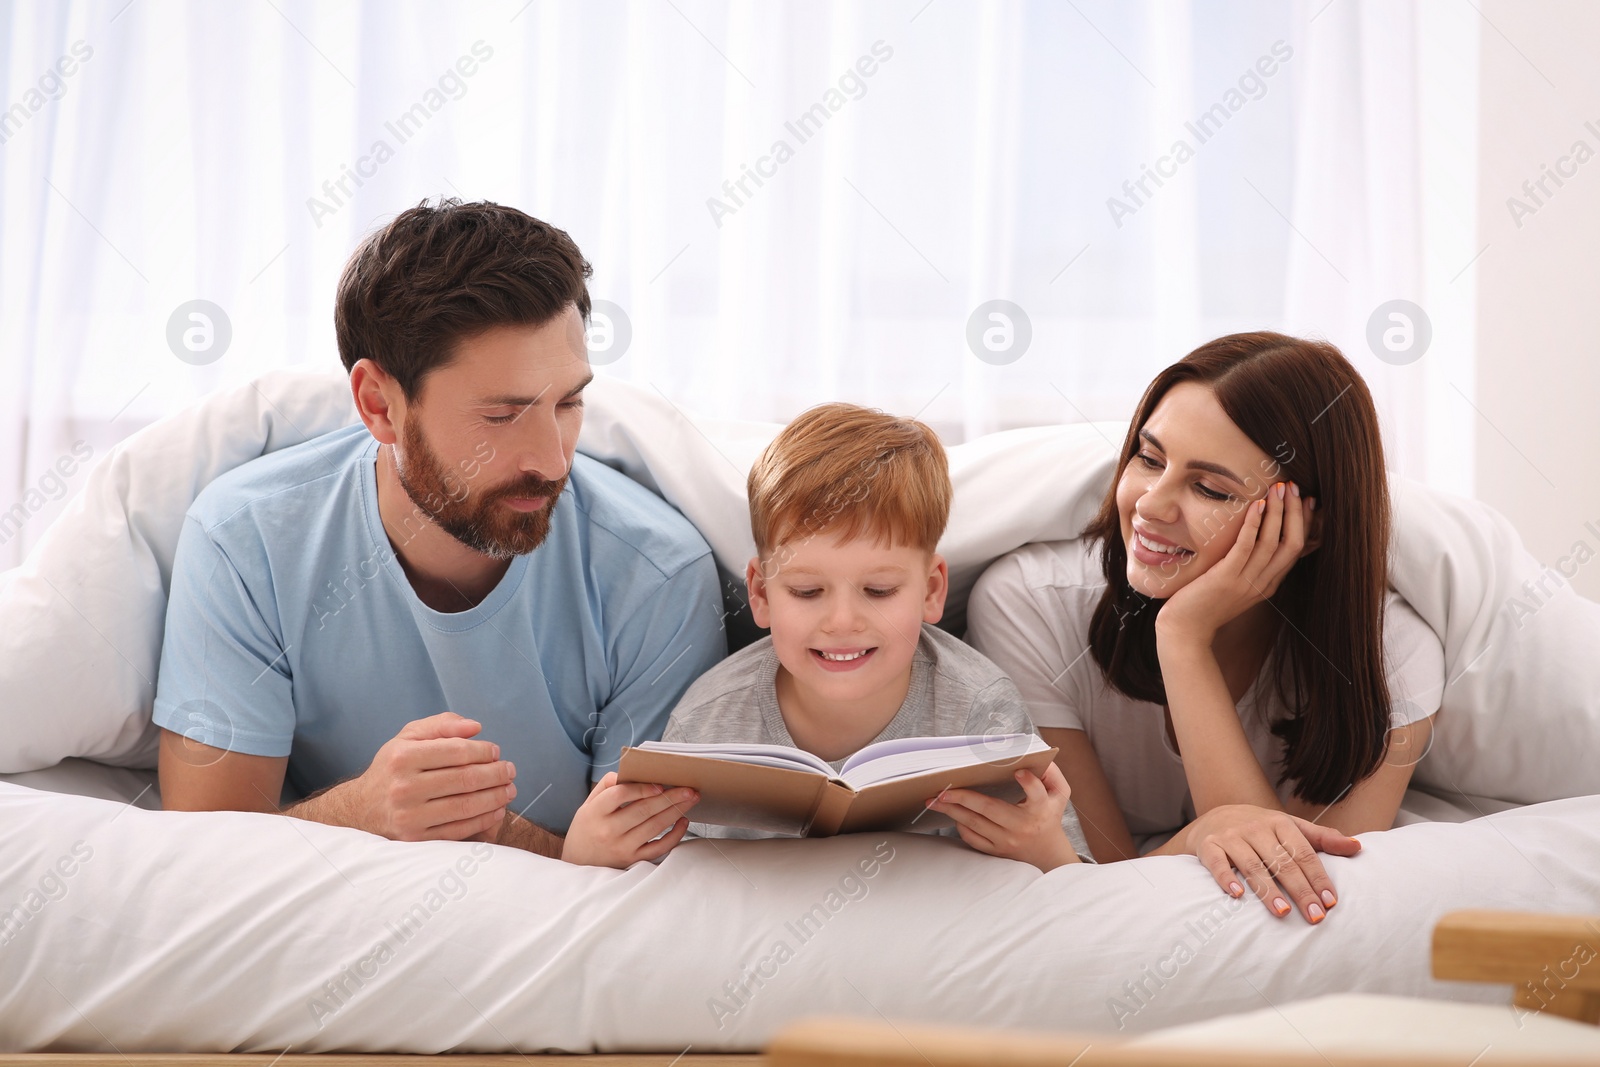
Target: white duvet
{"x": 129, "y": 929}
{"x": 81, "y": 620}
{"x": 192, "y": 932}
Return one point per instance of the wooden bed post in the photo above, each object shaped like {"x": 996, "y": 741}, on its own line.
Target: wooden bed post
{"x": 1552, "y": 962}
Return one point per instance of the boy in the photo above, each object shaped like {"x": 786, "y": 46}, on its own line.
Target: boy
{"x": 847, "y": 506}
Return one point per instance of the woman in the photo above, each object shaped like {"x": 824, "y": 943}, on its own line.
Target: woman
{"x": 1218, "y": 658}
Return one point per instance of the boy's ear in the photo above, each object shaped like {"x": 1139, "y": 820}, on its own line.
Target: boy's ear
{"x": 938, "y": 589}
{"x": 756, "y": 584}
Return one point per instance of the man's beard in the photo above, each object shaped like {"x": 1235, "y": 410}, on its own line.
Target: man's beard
{"x": 481, "y": 521}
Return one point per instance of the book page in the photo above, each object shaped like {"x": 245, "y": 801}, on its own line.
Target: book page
{"x": 759, "y": 755}
{"x": 898, "y": 803}
{"x": 909, "y": 756}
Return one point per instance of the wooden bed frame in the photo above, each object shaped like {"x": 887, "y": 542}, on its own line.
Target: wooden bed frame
{"x": 1521, "y": 949}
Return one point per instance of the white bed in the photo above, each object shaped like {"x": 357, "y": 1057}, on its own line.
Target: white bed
{"x": 220, "y": 931}
{"x": 193, "y": 932}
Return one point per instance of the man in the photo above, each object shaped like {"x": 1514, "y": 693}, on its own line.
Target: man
{"x": 401, "y": 617}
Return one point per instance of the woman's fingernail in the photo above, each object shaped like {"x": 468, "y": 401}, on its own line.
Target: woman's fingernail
{"x": 1279, "y": 490}
{"x": 1328, "y": 898}
{"x": 1294, "y": 487}
{"x": 1313, "y": 503}
{"x": 1235, "y": 888}
{"x": 1315, "y": 913}
{"x": 1280, "y": 905}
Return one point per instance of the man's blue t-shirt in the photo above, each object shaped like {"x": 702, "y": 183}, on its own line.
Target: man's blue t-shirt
{"x": 292, "y": 629}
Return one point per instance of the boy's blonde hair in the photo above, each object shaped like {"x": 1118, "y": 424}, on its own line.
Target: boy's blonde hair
{"x": 855, "y": 471}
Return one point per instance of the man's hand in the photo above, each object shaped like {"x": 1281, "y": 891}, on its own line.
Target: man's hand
{"x": 617, "y": 825}
{"x": 1029, "y": 830}
{"x": 432, "y": 782}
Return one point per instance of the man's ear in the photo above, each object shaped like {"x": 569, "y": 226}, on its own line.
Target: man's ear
{"x": 756, "y": 584}
{"x": 379, "y": 401}
{"x": 938, "y": 589}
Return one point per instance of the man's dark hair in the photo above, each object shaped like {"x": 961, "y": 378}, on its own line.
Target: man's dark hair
{"x": 436, "y": 276}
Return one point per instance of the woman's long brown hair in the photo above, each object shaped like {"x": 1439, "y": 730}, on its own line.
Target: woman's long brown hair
{"x": 1305, "y": 406}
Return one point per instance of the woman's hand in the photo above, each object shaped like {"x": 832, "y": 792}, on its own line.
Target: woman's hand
{"x": 1269, "y": 849}
{"x": 1271, "y": 539}
{"x": 1029, "y": 830}
{"x": 619, "y": 825}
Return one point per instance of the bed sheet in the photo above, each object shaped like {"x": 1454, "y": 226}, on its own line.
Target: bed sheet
{"x": 147, "y": 931}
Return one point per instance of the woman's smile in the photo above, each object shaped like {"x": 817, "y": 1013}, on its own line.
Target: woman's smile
{"x": 1154, "y": 550}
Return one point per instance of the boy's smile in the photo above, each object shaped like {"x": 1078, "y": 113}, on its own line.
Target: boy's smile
{"x": 842, "y": 659}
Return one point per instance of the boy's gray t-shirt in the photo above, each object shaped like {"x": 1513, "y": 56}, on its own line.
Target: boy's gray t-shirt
{"x": 954, "y": 690}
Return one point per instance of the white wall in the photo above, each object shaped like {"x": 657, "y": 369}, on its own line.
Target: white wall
{"x": 1538, "y": 377}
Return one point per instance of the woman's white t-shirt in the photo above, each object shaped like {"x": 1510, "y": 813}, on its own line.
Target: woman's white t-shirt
{"x": 1030, "y": 614}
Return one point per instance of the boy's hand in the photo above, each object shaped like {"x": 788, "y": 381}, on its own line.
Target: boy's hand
{"x": 618, "y": 824}
{"x": 1029, "y": 830}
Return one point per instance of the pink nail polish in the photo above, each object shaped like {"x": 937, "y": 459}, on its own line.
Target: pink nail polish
{"x": 1328, "y": 898}
{"x": 1315, "y": 913}
{"x": 1294, "y": 487}
{"x": 1280, "y": 905}
{"x": 1235, "y": 888}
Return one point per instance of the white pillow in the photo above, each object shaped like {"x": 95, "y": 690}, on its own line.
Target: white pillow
{"x": 234, "y": 932}
{"x": 1520, "y": 718}
{"x": 81, "y": 621}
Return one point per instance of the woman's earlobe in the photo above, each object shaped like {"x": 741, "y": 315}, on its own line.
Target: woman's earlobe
{"x": 1313, "y": 535}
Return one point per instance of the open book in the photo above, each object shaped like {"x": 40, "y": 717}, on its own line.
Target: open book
{"x": 885, "y": 786}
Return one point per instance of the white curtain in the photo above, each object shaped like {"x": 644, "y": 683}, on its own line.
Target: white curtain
{"x": 789, "y": 202}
